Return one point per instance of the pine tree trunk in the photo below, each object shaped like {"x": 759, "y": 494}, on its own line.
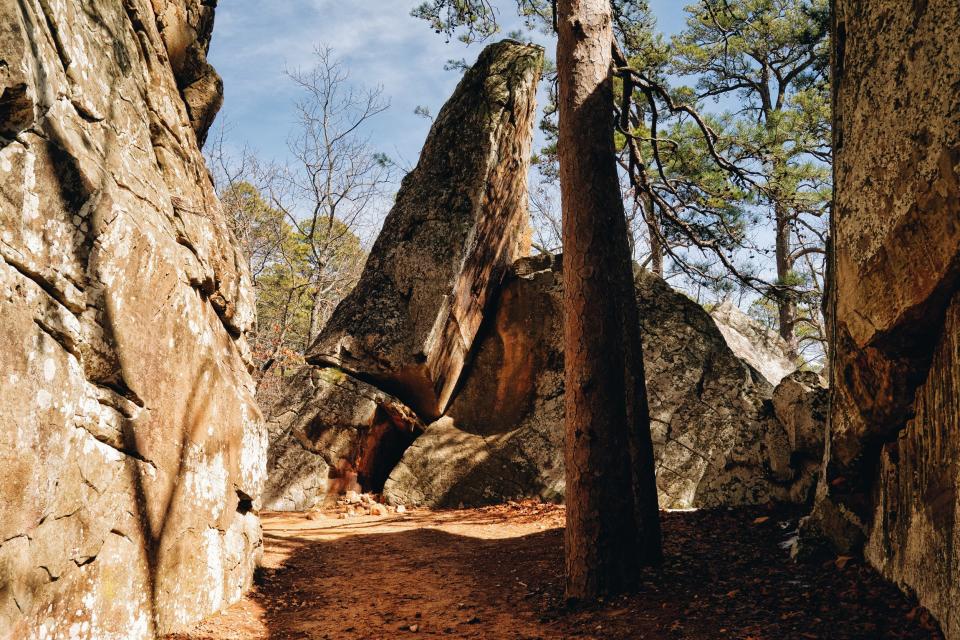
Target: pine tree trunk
{"x": 315, "y": 318}
{"x": 786, "y": 305}
{"x": 656, "y": 246}
{"x": 601, "y": 543}
{"x": 644, "y": 482}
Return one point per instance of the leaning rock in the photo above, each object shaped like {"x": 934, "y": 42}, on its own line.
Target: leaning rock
{"x": 715, "y": 438}
{"x": 459, "y": 221}
{"x": 334, "y": 436}
{"x": 131, "y": 449}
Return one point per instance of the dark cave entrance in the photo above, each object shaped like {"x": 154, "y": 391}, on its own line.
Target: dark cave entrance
{"x": 380, "y": 449}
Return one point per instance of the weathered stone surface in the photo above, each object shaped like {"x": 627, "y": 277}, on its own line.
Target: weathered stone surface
{"x": 332, "y": 434}
{"x": 913, "y": 534}
{"x": 800, "y": 404}
{"x": 890, "y": 468}
{"x": 185, "y": 27}
{"x": 759, "y": 347}
{"x": 715, "y": 437}
{"x": 131, "y": 450}
{"x": 458, "y": 222}
{"x": 503, "y": 436}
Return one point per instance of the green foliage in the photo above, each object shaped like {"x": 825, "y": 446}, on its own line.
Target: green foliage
{"x": 736, "y": 160}
{"x": 288, "y": 286}
{"x": 477, "y": 19}
{"x": 287, "y": 276}
{"x": 259, "y": 228}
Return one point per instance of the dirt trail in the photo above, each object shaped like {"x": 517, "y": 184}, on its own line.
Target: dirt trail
{"x": 497, "y": 573}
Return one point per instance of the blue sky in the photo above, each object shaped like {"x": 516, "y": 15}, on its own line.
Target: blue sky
{"x": 255, "y": 41}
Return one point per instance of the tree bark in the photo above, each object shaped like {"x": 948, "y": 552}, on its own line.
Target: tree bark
{"x": 646, "y": 508}
{"x": 602, "y": 536}
{"x": 786, "y": 304}
{"x": 315, "y": 322}
{"x": 653, "y": 231}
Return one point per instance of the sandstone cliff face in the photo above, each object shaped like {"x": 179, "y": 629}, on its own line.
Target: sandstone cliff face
{"x": 131, "y": 449}
{"x": 402, "y": 335}
{"x": 459, "y": 221}
{"x": 717, "y": 440}
{"x": 893, "y": 440}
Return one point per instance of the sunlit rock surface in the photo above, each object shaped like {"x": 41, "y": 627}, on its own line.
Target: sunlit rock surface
{"x": 894, "y": 437}
{"x": 131, "y": 450}
{"x": 460, "y": 219}
{"x": 759, "y": 347}
{"x": 401, "y": 337}
{"x": 716, "y": 438}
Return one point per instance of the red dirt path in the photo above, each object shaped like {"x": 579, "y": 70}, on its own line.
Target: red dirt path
{"x": 497, "y": 573}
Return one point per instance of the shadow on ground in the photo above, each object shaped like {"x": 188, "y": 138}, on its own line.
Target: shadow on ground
{"x": 467, "y": 574}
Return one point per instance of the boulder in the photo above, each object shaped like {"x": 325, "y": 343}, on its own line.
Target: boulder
{"x": 132, "y": 452}
{"x": 332, "y": 434}
{"x": 759, "y": 347}
{"x": 459, "y": 220}
{"x": 716, "y": 439}
{"x": 503, "y": 435}
{"x": 800, "y": 404}
{"x": 401, "y": 337}
{"x": 894, "y": 439}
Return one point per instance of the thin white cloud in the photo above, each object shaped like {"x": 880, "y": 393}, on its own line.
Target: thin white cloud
{"x": 379, "y": 42}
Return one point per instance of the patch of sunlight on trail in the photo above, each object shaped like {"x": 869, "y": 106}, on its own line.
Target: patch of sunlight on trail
{"x": 468, "y": 523}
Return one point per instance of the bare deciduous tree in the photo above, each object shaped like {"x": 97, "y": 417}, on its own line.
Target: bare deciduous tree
{"x": 300, "y": 225}
{"x": 337, "y": 183}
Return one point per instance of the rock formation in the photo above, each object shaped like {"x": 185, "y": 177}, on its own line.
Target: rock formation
{"x": 131, "y": 449}
{"x": 460, "y": 219}
{"x": 502, "y": 437}
{"x": 716, "y": 438}
{"x": 332, "y": 434}
{"x": 800, "y": 404}
{"x": 762, "y": 349}
{"x": 894, "y": 440}
{"x": 401, "y": 337}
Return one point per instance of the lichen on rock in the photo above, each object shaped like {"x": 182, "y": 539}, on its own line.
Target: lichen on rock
{"x": 131, "y": 448}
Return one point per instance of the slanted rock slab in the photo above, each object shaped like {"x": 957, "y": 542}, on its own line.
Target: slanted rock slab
{"x": 460, "y": 219}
